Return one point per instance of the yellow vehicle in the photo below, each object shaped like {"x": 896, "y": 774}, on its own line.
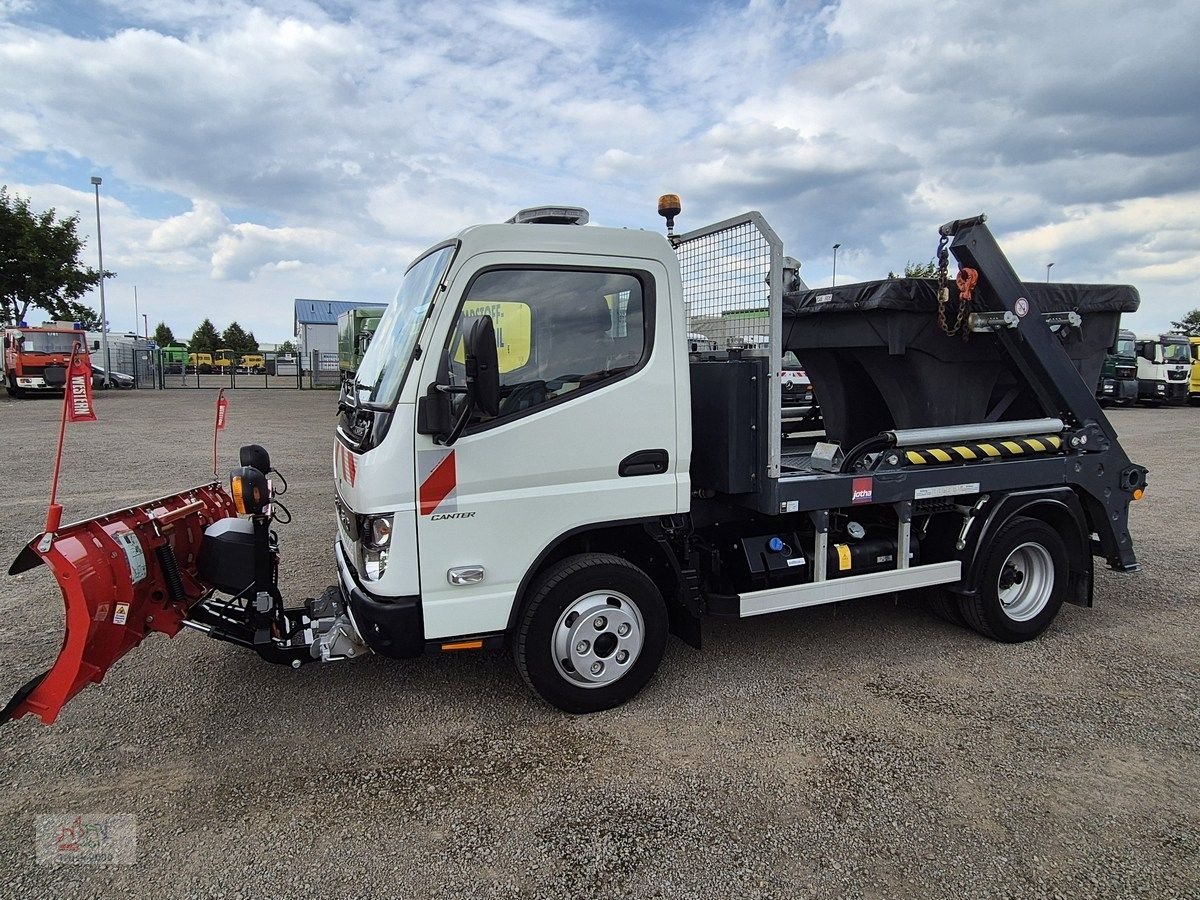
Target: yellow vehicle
{"x": 200, "y": 362}
{"x": 1194, "y": 383}
{"x": 253, "y": 364}
{"x": 224, "y": 360}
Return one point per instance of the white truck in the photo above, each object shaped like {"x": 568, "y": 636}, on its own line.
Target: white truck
{"x": 530, "y": 457}
{"x": 1164, "y": 363}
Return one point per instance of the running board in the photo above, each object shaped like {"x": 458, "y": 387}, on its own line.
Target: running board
{"x": 757, "y": 603}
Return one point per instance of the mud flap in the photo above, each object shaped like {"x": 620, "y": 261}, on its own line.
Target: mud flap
{"x": 122, "y": 575}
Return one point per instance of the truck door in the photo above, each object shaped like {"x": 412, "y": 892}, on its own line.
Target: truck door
{"x": 587, "y": 430}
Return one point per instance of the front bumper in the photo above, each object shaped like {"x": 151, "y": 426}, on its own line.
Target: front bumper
{"x": 391, "y": 626}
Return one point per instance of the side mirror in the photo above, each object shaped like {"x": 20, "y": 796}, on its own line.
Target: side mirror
{"x": 483, "y": 366}
{"x": 433, "y": 410}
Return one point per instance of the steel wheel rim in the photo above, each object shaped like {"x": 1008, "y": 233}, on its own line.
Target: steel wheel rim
{"x": 597, "y": 639}
{"x": 1025, "y": 582}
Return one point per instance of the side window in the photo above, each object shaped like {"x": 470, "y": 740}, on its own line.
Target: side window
{"x": 557, "y": 331}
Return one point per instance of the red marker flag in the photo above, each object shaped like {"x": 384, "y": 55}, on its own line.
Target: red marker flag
{"x": 78, "y": 396}
{"x": 222, "y": 406}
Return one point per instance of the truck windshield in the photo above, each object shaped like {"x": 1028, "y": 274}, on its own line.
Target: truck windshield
{"x": 1177, "y": 352}
{"x": 50, "y": 341}
{"x": 1125, "y": 348}
{"x": 385, "y": 364}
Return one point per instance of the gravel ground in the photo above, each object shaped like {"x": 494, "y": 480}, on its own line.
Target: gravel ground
{"x": 857, "y": 750}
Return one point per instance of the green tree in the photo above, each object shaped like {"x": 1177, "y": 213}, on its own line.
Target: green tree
{"x": 237, "y": 340}
{"x": 163, "y": 336}
{"x": 205, "y": 338}
{"x": 1189, "y": 324}
{"x": 917, "y": 270}
{"x": 39, "y": 263}
{"x": 287, "y": 348}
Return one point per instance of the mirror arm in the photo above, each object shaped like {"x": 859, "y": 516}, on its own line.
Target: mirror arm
{"x": 457, "y": 430}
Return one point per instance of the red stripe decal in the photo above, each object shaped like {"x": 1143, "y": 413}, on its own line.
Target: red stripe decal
{"x": 438, "y": 485}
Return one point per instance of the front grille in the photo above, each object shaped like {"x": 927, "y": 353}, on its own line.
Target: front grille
{"x": 1176, "y": 376}
{"x": 1126, "y": 371}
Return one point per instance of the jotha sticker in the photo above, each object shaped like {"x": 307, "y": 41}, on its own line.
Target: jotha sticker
{"x": 861, "y": 489}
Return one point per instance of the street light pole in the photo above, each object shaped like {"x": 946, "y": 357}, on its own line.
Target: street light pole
{"x": 835, "y": 250}
{"x": 1048, "y": 265}
{"x": 96, "y": 182}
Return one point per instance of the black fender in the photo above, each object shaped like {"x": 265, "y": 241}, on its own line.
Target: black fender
{"x": 1059, "y": 507}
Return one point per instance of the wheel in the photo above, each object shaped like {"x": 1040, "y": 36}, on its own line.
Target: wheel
{"x": 945, "y": 605}
{"x": 591, "y": 634}
{"x": 1024, "y": 580}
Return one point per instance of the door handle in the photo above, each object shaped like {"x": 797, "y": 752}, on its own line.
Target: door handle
{"x": 644, "y": 462}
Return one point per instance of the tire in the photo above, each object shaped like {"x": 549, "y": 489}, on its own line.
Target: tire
{"x": 559, "y": 617}
{"x": 1022, "y": 583}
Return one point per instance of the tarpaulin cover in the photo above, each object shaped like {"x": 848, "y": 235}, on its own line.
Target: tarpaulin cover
{"x": 920, "y": 295}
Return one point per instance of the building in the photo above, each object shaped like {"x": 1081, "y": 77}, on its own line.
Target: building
{"x": 316, "y": 326}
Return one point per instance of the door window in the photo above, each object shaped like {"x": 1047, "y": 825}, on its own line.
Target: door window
{"x": 559, "y": 332}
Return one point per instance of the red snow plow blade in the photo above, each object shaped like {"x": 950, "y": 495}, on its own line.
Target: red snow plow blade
{"x": 122, "y": 575}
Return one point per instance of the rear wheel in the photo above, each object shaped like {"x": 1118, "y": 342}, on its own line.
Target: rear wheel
{"x": 592, "y": 633}
{"x": 1023, "y": 582}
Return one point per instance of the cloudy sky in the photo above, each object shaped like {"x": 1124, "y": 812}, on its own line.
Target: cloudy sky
{"x": 257, "y": 152}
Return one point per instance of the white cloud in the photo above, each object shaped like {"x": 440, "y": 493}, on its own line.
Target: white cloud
{"x": 320, "y": 150}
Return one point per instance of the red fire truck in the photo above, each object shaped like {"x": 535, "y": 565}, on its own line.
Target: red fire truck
{"x": 36, "y": 359}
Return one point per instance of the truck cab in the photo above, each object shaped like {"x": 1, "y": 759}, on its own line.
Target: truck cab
{"x": 36, "y": 358}
{"x": 1118, "y": 378}
{"x": 1163, "y": 368}
{"x": 224, "y": 360}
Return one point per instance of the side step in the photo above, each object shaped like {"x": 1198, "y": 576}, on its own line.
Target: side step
{"x": 758, "y": 603}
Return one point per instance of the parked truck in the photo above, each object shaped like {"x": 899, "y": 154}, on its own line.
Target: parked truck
{"x": 1194, "y": 381}
{"x": 36, "y": 358}
{"x": 596, "y": 485}
{"x": 1163, "y": 367}
{"x": 355, "y": 327}
{"x": 1118, "y": 378}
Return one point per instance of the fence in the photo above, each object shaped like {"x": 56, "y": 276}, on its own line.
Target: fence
{"x": 279, "y": 372}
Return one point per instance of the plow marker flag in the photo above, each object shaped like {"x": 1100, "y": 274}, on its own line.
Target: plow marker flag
{"x": 80, "y": 404}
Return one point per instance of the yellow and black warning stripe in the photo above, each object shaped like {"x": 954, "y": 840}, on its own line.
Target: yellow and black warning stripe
{"x": 1049, "y": 443}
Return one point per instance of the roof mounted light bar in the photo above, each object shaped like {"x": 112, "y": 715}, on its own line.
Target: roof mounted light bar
{"x": 550, "y": 215}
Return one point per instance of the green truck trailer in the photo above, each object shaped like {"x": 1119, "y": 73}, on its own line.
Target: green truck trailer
{"x": 355, "y": 329}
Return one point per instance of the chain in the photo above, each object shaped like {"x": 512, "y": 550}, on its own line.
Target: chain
{"x": 943, "y": 294}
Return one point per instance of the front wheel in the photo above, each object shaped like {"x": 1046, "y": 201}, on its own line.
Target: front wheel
{"x": 1023, "y": 582}
{"x": 592, "y": 633}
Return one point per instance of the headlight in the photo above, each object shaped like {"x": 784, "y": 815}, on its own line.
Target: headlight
{"x": 377, "y": 532}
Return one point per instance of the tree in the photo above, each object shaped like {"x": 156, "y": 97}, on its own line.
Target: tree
{"x": 287, "y": 348}
{"x": 205, "y": 338}
{"x": 917, "y": 270}
{"x": 1189, "y": 324}
{"x": 163, "y": 336}
{"x": 237, "y": 340}
{"x": 39, "y": 263}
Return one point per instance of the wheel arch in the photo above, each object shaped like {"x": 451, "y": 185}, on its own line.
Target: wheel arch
{"x": 1061, "y": 509}
{"x": 629, "y": 539}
